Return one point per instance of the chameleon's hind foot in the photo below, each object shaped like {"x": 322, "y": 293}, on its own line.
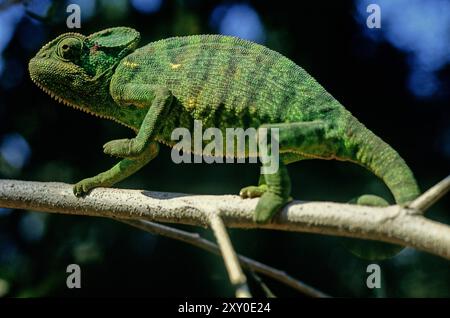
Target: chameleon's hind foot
{"x": 268, "y": 205}
{"x": 84, "y": 186}
{"x": 253, "y": 191}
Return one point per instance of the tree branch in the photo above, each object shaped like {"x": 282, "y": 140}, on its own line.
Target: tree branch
{"x": 431, "y": 196}
{"x": 393, "y": 224}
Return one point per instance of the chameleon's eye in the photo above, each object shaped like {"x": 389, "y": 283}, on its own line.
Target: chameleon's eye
{"x": 70, "y": 48}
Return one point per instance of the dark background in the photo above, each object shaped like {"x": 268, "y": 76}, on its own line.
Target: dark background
{"x": 366, "y": 70}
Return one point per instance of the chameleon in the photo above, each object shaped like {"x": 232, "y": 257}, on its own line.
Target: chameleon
{"x": 223, "y": 81}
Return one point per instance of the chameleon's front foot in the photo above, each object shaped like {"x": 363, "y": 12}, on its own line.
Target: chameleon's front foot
{"x": 123, "y": 148}
{"x": 120, "y": 171}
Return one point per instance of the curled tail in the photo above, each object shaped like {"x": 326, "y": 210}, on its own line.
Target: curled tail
{"x": 373, "y": 153}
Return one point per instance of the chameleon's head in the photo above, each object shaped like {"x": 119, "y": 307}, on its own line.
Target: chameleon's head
{"x": 75, "y": 69}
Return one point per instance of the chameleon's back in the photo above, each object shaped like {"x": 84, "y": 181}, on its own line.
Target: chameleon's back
{"x": 226, "y": 81}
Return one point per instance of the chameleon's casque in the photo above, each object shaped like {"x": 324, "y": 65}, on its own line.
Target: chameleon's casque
{"x": 223, "y": 81}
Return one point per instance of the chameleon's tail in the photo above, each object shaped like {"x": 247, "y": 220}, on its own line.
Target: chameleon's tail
{"x": 373, "y": 153}
{"x": 380, "y": 158}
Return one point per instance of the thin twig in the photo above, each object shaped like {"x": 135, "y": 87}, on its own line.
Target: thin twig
{"x": 235, "y": 272}
{"x": 431, "y": 196}
{"x": 263, "y": 285}
{"x": 196, "y": 240}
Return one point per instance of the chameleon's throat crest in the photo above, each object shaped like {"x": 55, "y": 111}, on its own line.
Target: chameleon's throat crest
{"x": 79, "y": 107}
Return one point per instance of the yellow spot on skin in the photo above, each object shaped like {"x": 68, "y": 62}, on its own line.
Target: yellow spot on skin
{"x": 174, "y": 66}
{"x": 190, "y": 104}
{"x": 130, "y": 64}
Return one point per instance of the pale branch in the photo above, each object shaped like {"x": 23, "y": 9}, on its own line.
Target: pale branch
{"x": 235, "y": 272}
{"x": 393, "y": 224}
{"x": 196, "y": 240}
{"x": 431, "y": 196}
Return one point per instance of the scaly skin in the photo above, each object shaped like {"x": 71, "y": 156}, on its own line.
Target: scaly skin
{"x": 223, "y": 81}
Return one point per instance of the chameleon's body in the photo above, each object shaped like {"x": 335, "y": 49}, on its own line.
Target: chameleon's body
{"x": 223, "y": 81}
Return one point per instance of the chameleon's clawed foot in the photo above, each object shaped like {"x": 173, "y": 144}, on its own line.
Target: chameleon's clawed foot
{"x": 268, "y": 205}
{"x": 84, "y": 186}
{"x": 253, "y": 191}
{"x": 122, "y": 148}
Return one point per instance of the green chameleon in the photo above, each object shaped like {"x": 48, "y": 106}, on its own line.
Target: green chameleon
{"x": 224, "y": 82}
